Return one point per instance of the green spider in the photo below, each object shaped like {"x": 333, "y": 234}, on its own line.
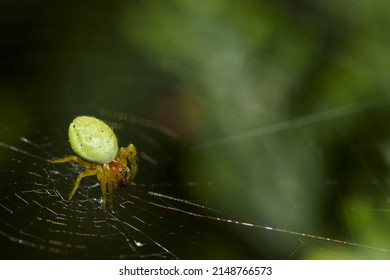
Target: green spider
{"x": 96, "y": 148}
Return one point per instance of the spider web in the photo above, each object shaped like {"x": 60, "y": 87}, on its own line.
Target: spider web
{"x": 287, "y": 149}
{"x": 160, "y": 217}
{"x": 38, "y": 220}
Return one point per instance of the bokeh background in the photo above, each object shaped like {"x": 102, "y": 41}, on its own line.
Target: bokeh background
{"x": 282, "y": 106}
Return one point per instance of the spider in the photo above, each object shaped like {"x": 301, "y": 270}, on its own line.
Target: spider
{"x": 96, "y": 148}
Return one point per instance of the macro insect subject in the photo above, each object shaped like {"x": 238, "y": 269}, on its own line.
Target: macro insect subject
{"x": 96, "y": 148}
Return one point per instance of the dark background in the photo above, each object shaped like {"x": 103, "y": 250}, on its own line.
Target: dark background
{"x": 274, "y": 112}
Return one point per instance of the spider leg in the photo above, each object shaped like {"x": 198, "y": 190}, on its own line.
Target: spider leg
{"x": 102, "y": 174}
{"x": 106, "y": 182}
{"x": 129, "y": 175}
{"x": 129, "y": 154}
{"x": 77, "y": 183}
{"x": 134, "y": 168}
{"x": 109, "y": 180}
{"x": 71, "y": 158}
{"x": 104, "y": 192}
{"x": 111, "y": 186}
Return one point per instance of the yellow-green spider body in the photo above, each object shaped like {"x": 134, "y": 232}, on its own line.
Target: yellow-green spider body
{"x": 93, "y": 140}
{"x": 96, "y": 147}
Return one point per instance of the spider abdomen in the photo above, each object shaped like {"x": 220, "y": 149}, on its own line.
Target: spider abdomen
{"x": 92, "y": 139}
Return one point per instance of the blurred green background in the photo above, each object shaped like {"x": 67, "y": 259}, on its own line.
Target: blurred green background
{"x": 282, "y": 105}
